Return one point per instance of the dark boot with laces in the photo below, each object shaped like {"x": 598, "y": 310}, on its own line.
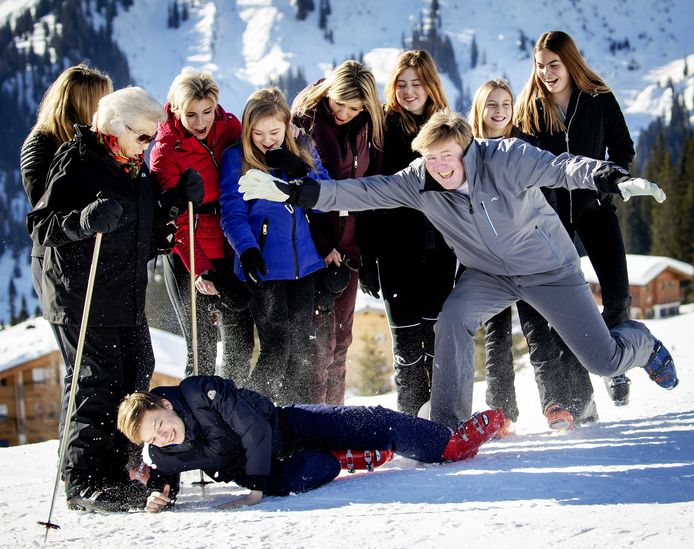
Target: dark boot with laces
{"x": 661, "y": 368}
{"x": 117, "y": 498}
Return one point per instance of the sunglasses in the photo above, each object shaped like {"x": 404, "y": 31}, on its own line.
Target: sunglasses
{"x": 142, "y": 138}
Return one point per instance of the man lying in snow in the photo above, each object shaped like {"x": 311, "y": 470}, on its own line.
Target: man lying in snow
{"x": 484, "y": 197}
{"x": 239, "y": 435}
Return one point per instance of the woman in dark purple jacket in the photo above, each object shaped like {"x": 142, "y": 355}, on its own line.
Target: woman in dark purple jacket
{"x": 343, "y": 115}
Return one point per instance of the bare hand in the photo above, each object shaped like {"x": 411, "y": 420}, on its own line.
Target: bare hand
{"x": 333, "y": 257}
{"x": 205, "y": 287}
{"x": 296, "y": 130}
{"x": 158, "y": 500}
{"x": 252, "y": 498}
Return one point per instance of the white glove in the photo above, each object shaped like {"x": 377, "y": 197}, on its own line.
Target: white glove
{"x": 258, "y": 184}
{"x": 636, "y": 186}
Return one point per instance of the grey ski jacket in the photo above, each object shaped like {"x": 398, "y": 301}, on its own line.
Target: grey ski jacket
{"x": 505, "y": 226}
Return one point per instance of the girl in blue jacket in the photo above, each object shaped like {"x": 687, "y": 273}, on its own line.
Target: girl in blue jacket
{"x": 275, "y": 254}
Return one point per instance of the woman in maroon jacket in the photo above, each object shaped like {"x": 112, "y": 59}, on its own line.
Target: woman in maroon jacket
{"x": 343, "y": 115}
{"x": 194, "y": 135}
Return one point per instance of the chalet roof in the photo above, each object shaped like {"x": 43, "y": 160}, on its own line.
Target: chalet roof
{"x": 33, "y": 338}
{"x": 642, "y": 268}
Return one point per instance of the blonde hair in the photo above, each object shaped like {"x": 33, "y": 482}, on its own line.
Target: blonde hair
{"x": 442, "y": 126}
{"x": 122, "y": 108}
{"x": 429, "y": 78}
{"x": 131, "y": 411}
{"x": 264, "y": 103}
{"x": 191, "y": 85}
{"x": 476, "y": 117}
{"x": 527, "y": 116}
{"x": 72, "y": 99}
{"x": 350, "y": 81}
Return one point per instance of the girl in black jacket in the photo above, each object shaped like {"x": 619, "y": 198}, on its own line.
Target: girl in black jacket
{"x": 569, "y": 108}
{"x": 408, "y": 258}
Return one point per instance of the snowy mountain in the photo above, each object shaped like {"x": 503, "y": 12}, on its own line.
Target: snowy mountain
{"x": 643, "y": 53}
{"x": 626, "y": 481}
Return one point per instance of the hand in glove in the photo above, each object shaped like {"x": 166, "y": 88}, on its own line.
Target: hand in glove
{"x": 636, "y": 186}
{"x": 284, "y": 159}
{"x": 258, "y": 184}
{"x": 101, "y": 216}
{"x": 253, "y": 266}
{"x": 611, "y": 178}
{"x": 190, "y": 187}
{"x": 164, "y": 238}
{"x": 232, "y": 292}
{"x": 368, "y": 278}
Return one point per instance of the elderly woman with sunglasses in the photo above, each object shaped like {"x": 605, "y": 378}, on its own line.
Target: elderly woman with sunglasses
{"x": 98, "y": 183}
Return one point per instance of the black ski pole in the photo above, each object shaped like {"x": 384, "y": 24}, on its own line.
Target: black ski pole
{"x": 75, "y": 380}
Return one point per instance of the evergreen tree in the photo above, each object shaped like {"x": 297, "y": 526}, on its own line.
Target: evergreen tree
{"x": 374, "y": 370}
{"x": 663, "y": 225}
{"x": 474, "y": 53}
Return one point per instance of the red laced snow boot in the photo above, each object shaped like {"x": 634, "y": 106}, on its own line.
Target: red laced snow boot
{"x": 468, "y": 438}
{"x": 363, "y": 460}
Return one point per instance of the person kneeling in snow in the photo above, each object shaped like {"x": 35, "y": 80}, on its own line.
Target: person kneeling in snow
{"x": 485, "y": 198}
{"x": 239, "y": 435}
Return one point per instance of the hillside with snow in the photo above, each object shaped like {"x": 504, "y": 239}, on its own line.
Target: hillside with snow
{"x": 644, "y": 54}
{"x": 627, "y": 481}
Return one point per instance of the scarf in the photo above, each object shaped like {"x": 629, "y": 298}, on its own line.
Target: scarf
{"x": 131, "y": 166}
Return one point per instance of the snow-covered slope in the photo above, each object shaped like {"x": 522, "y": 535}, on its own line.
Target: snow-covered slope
{"x": 624, "y": 482}
{"x": 248, "y": 42}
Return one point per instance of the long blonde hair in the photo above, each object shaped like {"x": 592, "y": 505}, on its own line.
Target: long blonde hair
{"x": 476, "y": 117}
{"x": 527, "y": 116}
{"x": 348, "y": 82}
{"x": 264, "y": 103}
{"x": 429, "y": 78}
{"x": 72, "y": 99}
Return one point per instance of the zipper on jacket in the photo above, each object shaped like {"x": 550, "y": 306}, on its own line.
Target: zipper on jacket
{"x": 263, "y": 233}
{"x": 214, "y": 160}
{"x": 546, "y": 239}
{"x": 566, "y": 138}
{"x": 294, "y": 252}
{"x": 484, "y": 208}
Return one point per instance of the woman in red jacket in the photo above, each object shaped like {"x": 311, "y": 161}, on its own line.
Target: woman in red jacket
{"x": 194, "y": 135}
{"x": 343, "y": 115}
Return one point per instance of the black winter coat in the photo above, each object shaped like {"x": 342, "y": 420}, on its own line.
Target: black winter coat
{"x": 400, "y": 231}
{"x": 81, "y": 170}
{"x": 34, "y": 160}
{"x": 229, "y": 432}
{"x": 595, "y": 126}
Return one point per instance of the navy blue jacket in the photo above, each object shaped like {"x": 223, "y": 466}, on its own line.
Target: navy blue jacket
{"x": 229, "y": 432}
{"x": 281, "y": 232}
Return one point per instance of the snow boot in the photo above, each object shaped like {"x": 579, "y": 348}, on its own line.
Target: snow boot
{"x": 618, "y": 389}
{"x": 469, "y": 436}
{"x": 111, "y": 499}
{"x": 362, "y": 460}
{"x": 583, "y": 412}
{"x": 559, "y": 418}
{"x": 661, "y": 368}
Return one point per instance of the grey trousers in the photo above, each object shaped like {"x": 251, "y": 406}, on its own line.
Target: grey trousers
{"x": 561, "y": 296}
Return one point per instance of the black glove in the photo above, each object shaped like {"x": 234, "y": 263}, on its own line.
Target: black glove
{"x": 607, "y": 176}
{"x": 368, "y": 278}
{"x": 101, "y": 216}
{"x": 190, "y": 187}
{"x": 163, "y": 238}
{"x": 233, "y": 293}
{"x": 283, "y": 158}
{"x": 253, "y": 266}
